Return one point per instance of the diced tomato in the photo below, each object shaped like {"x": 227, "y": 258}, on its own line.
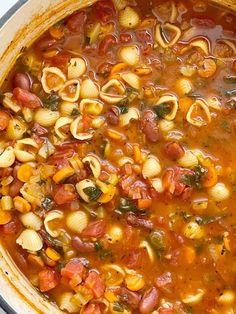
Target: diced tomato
{"x": 61, "y": 59}
{"x": 11, "y": 227}
{"x": 76, "y": 22}
{"x": 166, "y": 311}
{"x": 105, "y": 10}
{"x": 164, "y": 279}
{"x": 48, "y": 279}
{"x": 39, "y": 130}
{"x": 4, "y": 120}
{"x": 72, "y": 268}
{"x": 26, "y": 99}
{"x": 95, "y": 283}
{"x": 92, "y": 309}
{"x": 108, "y": 42}
{"x": 95, "y": 229}
{"x": 64, "y": 194}
{"x": 144, "y": 203}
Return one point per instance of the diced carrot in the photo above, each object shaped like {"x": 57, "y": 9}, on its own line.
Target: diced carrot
{"x": 52, "y": 254}
{"x": 24, "y": 172}
{"x": 144, "y": 203}
{"x": 5, "y": 217}
{"x": 210, "y": 178}
{"x": 21, "y": 204}
{"x": 48, "y": 279}
{"x": 63, "y": 174}
{"x": 189, "y": 254}
{"x": 72, "y": 268}
{"x": 119, "y": 67}
{"x": 185, "y": 103}
{"x": 92, "y": 309}
{"x": 107, "y": 197}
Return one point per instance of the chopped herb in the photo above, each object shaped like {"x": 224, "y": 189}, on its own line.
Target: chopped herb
{"x": 59, "y": 266}
{"x": 75, "y": 112}
{"x": 123, "y": 103}
{"x": 47, "y": 203}
{"x": 123, "y": 109}
{"x": 92, "y": 192}
{"x": 189, "y": 309}
{"x": 41, "y": 182}
{"x": 194, "y": 95}
{"x": 186, "y": 216}
{"x": 131, "y": 90}
{"x": 162, "y": 110}
{"x": 208, "y": 141}
{"x": 204, "y": 220}
{"x": 2, "y": 96}
{"x": 158, "y": 240}
{"x": 51, "y": 102}
{"x": 97, "y": 246}
{"x": 126, "y": 205}
{"x": 194, "y": 179}
{"x": 226, "y": 126}
{"x": 230, "y": 92}
{"x": 142, "y": 105}
{"x": 105, "y": 254}
{"x": 118, "y": 307}
{"x": 230, "y": 79}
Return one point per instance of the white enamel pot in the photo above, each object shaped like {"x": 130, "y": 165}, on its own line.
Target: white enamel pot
{"x": 19, "y": 27}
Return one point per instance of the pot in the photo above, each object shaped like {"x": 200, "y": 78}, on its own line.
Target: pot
{"x": 21, "y": 25}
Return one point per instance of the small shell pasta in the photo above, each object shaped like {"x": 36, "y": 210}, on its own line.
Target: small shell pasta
{"x": 183, "y": 86}
{"x": 9, "y": 103}
{"x": 78, "y": 135}
{"x": 62, "y": 122}
{"x": 113, "y": 274}
{"x": 151, "y": 167}
{"x": 132, "y": 79}
{"x": 46, "y": 117}
{"x": 126, "y": 118}
{"x": 27, "y": 114}
{"x": 30, "y": 240}
{"x": 199, "y": 120}
{"x": 119, "y": 4}
{"x": 70, "y": 91}
{"x": 193, "y": 299}
{"x": 83, "y": 185}
{"x": 76, "y": 68}
{"x": 115, "y": 234}
{"x": 113, "y": 91}
{"x": 173, "y": 102}
{"x": 89, "y": 89}
{"x": 166, "y": 125}
{"x": 161, "y": 40}
{"x": 219, "y": 192}
{"x": 51, "y": 217}
{"x": 52, "y": 79}
{"x": 192, "y": 230}
{"x": 134, "y": 282}
{"x": 47, "y": 149}
{"x": 129, "y": 18}
{"x": 157, "y": 185}
{"x": 7, "y": 157}
{"x": 228, "y": 297}
{"x": 16, "y": 129}
{"x": 69, "y": 109}
{"x": 77, "y": 221}
{"x": 26, "y": 149}
{"x": 189, "y": 160}
{"x": 31, "y": 221}
{"x": 129, "y": 55}
{"x": 94, "y": 164}
{"x": 91, "y": 106}
{"x": 66, "y": 304}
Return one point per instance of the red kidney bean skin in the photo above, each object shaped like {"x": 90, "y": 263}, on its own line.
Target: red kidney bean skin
{"x": 149, "y": 301}
{"x": 22, "y": 80}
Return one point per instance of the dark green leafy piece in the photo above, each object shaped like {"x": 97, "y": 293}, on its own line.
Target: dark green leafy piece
{"x": 105, "y": 254}
{"x": 194, "y": 179}
{"x": 47, "y": 203}
{"x": 118, "y": 307}
{"x": 158, "y": 241}
{"x": 123, "y": 109}
{"x": 92, "y": 192}
{"x": 225, "y": 126}
{"x": 231, "y": 79}
{"x": 51, "y": 102}
{"x": 75, "y": 112}
{"x": 126, "y": 205}
{"x": 162, "y": 110}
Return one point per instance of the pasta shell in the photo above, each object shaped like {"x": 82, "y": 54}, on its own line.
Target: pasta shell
{"x": 47, "y": 149}
{"x": 231, "y": 44}
{"x": 132, "y": 79}
{"x": 46, "y": 117}
{"x": 113, "y": 274}
{"x": 193, "y": 230}
{"x": 132, "y": 114}
{"x": 89, "y": 89}
{"x": 52, "y": 79}
{"x": 129, "y": 55}
{"x": 62, "y": 122}
{"x": 66, "y": 304}
{"x": 143, "y": 70}
{"x": 10, "y": 104}
{"x": 7, "y": 157}
{"x": 202, "y": 44}
{"x": 27, "y": 114}
{"x": 119, "y": 4}
{"x": 125, "y": 160}
{"x": 166, "y": 125}
{"x": 30, "y": 240}
{"x": 53, "y": 215}
{"x": 161, "y": 38}
{"x": 151, "y": 167}
{"x": 199, "y": 120}
{"x": 145, "y": 245}
{"x": 157, "y": 185}
{"x": 76, "y": 68}
{"x": 91, "y": 106}
{"x": 213, "y": 102}
{"x": 80, "y": 136}
{"x": 219, "y": 192}
{"x": 172, "y": 100}
{"x": 228, "y": 297}
{"x": 115, "y": 234}
{"x": 189, "y": 160}
{"x": 188, "y": 70}
{"x": 94, "y": 164}
{"x": 129, "y": 18}
{"x": 183, "y": 86}
{"x": 193, "y": 299}
{"x": 81, "y": 186}
{"x": 70, "y": 91}
{"x": 15, "y": 129}
{"x": 31, "y": 221}
{"x": 25, "y": 149}
{"x": 98, "y": 122}
{"x": 69, "y": 109}
{"x": 77, "y": 221}
{"x": 113, "y": 91}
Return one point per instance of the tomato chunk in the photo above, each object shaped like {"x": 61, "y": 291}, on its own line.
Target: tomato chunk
{"x": 95, "y": 283}
{"x": 4, "y": 120}
{"x": 105, "y": 10}
{"x": 95, "y": 229}
{"x": 64, "y": 194}
{"x": 72, "y": 268}
{"x": 92, "y": 309}
{"x": 48, "y": 279}
{"x": 26, "y": 99}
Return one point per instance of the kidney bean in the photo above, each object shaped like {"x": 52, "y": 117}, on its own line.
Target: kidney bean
{"x": 5, "y": 172}
{"x": 12, "y": 227}
{"x": 149, "y": 126}
{"x": 173, "y": 150}
{"x": 112, "y": 116}
{"x": 26, "y": 99}
{"x": 129, "y": 297}
{"x": 83, "y": 246}
{"x": 108, "y": 42}
{"x": 22, "y": 80}
{"x": 95, "y": 229}
{"x": 14, "y": 188}
{"x": 104, "y": 69}
{"x": 45, "y": 43}
{"x": 76, "y": 22}
{"x": 105, "y": 10}
{"x": 135, "y": 221}
{"x": 125, "y": 38}
{"x": 149, "y": 301}
{"x": 39, "y": 130}
{"x": 4, "y": 120}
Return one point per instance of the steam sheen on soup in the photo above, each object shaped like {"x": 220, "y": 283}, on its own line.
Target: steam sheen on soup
{"x": 117, "y": 164}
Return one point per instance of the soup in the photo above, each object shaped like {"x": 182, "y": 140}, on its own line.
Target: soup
{"x": 118, "y": 177}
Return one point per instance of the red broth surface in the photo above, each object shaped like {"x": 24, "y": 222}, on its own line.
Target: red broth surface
{"x": 117, "y": 165}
